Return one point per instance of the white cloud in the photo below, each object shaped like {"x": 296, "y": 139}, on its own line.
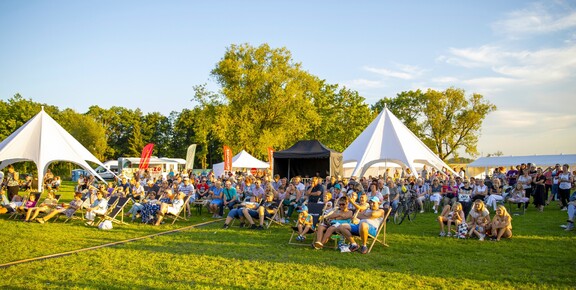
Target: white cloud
{"x": 364, "y": 83}
{"x": 536, "y": 19}
{"x": 389, "y": 73}
{"x": 404, "y": 71}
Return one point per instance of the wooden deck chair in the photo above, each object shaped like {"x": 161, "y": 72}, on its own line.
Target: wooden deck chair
{"x": 111, "y": 204}
{"x": 381, "y": 228}
{"x": 17, "y": 214}
{"x": 115, "y": 210}
{"x": 275, "y": 216}
{"x": 181, "y": 214}
{"x": 78, "y": 214}
{"x": 314, "y": 209}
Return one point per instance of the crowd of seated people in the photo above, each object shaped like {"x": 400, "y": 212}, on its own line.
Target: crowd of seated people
{"x": 253, "y": 198}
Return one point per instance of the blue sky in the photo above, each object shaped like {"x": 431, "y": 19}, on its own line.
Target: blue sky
{"x": 520, "y": 55}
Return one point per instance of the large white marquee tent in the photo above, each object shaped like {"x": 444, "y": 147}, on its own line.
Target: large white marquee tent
{"x": 241, "y": 160}
{"x": 42, "y": 140}
{"x": 387, "y": 142}
{"x": 483, "y": 165}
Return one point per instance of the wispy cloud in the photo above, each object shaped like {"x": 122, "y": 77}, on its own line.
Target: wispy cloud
{"x": 538, "y": 18}
{"x": 402, "y": 71}
{"x": 364, "y": 83}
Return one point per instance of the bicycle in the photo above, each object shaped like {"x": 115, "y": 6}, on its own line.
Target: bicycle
{"x": 407, "y": 208}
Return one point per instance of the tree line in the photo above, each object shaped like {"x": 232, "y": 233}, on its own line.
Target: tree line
{"x": 265, "y": 99}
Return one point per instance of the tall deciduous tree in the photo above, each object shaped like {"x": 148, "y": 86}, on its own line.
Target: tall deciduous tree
{"x": 445, "y": 121}
{"x": 86, "y": 130}
{"x": 343, "y": 116}
{"x": 267, "y": 99}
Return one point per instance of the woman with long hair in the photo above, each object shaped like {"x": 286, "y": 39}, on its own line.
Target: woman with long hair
{"x": 501, "y": 224}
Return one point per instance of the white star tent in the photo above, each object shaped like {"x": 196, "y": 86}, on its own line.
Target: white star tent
{"x": 43, "y": 141}
{"x": 240, "y": 161}
{"x": 387, "y": 139}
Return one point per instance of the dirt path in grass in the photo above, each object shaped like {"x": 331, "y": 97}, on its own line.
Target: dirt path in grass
{"x": 105, "y": 245}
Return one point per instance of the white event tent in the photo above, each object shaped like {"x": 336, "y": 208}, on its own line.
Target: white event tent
{"x": 240, "y": 161}
{"x": 43, "y": 141}
{"x": 482, "y": 165}
{"x": 388, "y": 140}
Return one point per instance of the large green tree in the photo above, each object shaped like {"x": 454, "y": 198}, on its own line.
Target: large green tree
{"x": 343, "y": 115}
{"x": 446, "y": 121}
{"x": 86, "y": 130}
{"x": 267, "y": 99}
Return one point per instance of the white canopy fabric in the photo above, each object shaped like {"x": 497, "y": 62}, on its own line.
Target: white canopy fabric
{"x": 387, "y": 139}
{"x": 43, "y": 141}
{"x": 240, "y": 161}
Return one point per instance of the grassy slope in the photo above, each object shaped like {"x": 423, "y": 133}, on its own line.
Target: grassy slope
{"x": 540, "y": 255}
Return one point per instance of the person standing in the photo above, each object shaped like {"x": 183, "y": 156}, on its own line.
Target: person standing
{"x": 12, "y": 182}
{"x": 539, "y": 190}
{"x": 565, "y": 179}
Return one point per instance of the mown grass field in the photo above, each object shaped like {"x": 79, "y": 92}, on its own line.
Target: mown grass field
{"x": 540, "y": 255}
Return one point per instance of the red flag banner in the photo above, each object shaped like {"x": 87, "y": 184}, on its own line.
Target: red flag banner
{"x": 270, "y": 156}
{"x": 145, "y": 158}
{"x": 227, "y": 158}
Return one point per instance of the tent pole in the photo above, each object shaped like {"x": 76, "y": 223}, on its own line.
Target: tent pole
{"x": 289, "y": 169}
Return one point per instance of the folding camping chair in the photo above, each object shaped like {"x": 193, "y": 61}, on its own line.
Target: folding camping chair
{"x": 316, "y": 210}
{"x": 17, "y": 214}
{"x": 181, "y": 214}
{"x": 78, "y": 214}
{"x": 381, "y": 228}
{"x": 116, "y": 209}
{"x": 275, "y": 216}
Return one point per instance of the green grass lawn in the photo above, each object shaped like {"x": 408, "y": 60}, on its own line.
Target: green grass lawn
{"x": 541, "y": 255}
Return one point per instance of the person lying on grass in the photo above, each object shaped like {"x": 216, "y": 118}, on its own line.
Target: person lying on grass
{"x": 330, "y": 221}
{"x": 68, "y": 210}
{"x": 501, "y": 224}
{"x": 478, "y": 217}
{"x": 266, "y": 209}
{"x": 450, "y": 216}
{"x": 369, "y": 221}
{"x": 237, "y": 213}
{"x": 173, "y": 208}
{"x": 304, "y": 223}
{"x": 98, "y": 207}
{"x": 47, "y": 206}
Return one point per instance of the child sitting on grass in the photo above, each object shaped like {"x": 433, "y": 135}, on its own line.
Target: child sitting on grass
{"x": 304, "y": 223}
{"x": 480, "y": 228}
{"x": 450, "y": 216}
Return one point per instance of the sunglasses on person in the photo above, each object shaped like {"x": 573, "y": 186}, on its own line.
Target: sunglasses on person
{"x": 342, "y": 204}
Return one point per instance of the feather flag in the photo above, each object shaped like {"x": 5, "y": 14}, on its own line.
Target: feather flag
{"x": 145, "y": 158}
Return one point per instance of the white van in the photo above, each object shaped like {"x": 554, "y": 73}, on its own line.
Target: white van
{"x": 158, "y": 167}
{"x": 104, "y": 172}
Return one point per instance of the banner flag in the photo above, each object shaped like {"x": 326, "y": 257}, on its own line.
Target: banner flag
{"x": 145, "y": 158}
{"x": 270, "y": 157}
{"x": 227, "y": 158}
{"x": 190, "y": 156}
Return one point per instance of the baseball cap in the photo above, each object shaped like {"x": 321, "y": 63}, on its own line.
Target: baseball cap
{"x": 303, "y": 208}
{"x": 337, "y": 186}
{"x": 375, "y": 199}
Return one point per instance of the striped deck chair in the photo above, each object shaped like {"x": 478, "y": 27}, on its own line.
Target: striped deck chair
{"x": 114, "y": 210}
{"x": 381, "y": 229}
{"x": 181, "y": 214}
